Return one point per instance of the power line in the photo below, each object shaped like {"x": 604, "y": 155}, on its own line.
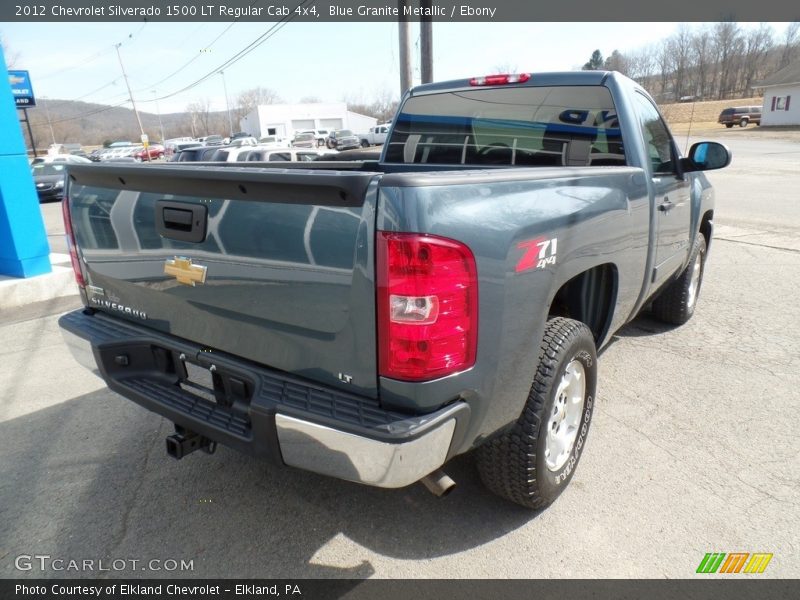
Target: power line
{"x": 91, "y": 58}
{"x": 229, "y": 62}
{"x": 243, "y": 52}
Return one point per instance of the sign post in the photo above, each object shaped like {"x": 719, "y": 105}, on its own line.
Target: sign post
{"x": 22, "y": 90}
{"x": 24, "y": 251}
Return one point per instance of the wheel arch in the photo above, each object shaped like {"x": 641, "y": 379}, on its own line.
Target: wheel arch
{"x": 589, "y": 297}
{"x": 707, "y": 227}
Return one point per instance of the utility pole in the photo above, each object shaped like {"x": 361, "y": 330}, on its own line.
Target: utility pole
{"x": 426, "y": 44}
{"x": 405, "y": 48}
{"x": 158, "y": 112}
{"x": 227, "y": 104}
{"x": 49, "y": 124}
{"x": 128, "y": 85}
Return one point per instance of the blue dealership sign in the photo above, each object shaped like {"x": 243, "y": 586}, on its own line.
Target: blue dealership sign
{"x": 21, "y": 88}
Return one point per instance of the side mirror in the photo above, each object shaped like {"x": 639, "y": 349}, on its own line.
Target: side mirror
{"x": 707, "y": 156}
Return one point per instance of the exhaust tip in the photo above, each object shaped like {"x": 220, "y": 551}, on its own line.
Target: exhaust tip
{"x": 438, "y": 483}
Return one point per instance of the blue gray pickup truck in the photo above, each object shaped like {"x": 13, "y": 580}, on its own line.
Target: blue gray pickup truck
{"x": 370, "y": 320}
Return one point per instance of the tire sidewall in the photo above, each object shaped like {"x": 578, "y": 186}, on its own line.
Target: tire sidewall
{"x": 552, "y": 483}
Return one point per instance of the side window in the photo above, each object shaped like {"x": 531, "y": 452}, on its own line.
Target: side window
{"x": 657, "y": 138}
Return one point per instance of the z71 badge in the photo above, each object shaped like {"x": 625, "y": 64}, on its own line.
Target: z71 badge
{"x": 538, "y": 254}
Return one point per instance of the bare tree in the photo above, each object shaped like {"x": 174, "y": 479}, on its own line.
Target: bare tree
{"x": 642, "y": 66}
{"x": 10, "y": 56}
{"x": 791, "y": 44}
{"x": 617, "y": 62}
{"x": 703, "y": 60}
{"x": 248, "y": 100}
{"x": 757, "y": 46}
{"x": 664, "y": 60}
{"x": 679, "y": 46}
{"x": 310, "y": 100}
{"x": 199, "y": 113}
{"x": 382, "y": 106}
{"x": 727, "y": 47}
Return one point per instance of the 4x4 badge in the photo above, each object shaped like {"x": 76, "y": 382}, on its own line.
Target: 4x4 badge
{"x": 182, "y": 269}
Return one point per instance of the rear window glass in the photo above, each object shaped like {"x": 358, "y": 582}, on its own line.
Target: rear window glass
{"x": 519, "y": 126}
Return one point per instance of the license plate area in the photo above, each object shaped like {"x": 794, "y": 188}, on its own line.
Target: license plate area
{"x": 199, "y": 381}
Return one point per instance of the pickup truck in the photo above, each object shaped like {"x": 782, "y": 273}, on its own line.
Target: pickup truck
{"x": 375, "y": 136}
{"x": 370, "y": 320}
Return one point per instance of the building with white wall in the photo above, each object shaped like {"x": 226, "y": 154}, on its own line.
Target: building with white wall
{"x": 781, "y": 97}
{"x": 285, "y": 119}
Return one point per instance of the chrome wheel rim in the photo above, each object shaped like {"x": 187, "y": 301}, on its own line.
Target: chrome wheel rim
{"x": 694, "y": 281}
{"x": 565, "y": 418}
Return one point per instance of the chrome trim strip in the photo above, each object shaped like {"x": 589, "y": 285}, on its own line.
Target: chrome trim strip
{"x": 355, "y": 458}
{"x": 81, "y": 350}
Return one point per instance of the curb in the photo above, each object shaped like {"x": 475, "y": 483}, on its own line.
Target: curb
{"x": 60, "y": 282}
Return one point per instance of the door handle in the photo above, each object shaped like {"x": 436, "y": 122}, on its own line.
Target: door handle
{"x": 666, "y": 206}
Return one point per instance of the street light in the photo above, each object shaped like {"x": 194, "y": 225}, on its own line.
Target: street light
{"x": 227, "y": 105}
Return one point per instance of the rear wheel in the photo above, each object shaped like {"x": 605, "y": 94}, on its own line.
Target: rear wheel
{"x": 677, "y": 302}
{"x": 744, "y": 122}
{"x": 728, "y": 125}
{"x": 532, "y": 462}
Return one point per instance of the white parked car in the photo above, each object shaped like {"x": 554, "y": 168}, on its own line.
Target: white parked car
{"x": 243, "y": 141}
{"x": 319, "y": 134}
{"x": 269, "y": 154}
{"x": 274, "y": 141}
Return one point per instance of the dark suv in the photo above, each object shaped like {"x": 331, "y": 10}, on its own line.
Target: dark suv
{"x": 740, "y": 115}
{"x": 342, "y": 139}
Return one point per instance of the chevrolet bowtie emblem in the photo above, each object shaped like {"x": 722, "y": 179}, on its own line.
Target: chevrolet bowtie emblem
{"x": 184, "y": 271}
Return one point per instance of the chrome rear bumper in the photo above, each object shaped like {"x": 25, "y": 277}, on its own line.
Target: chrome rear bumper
{"x": 392, "y": 455}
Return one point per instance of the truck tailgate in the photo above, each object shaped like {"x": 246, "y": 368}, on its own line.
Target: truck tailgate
{"x": 273, "y": 265}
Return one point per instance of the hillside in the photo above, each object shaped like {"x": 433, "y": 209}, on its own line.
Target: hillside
{"x": 92, "y": 124}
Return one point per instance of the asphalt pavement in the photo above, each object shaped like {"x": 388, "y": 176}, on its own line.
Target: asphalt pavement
{"x": 692, "y": 449}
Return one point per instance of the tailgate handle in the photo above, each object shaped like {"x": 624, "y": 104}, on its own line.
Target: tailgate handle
{"x": 176, "y": 218}
{"x": 181, "y": 221}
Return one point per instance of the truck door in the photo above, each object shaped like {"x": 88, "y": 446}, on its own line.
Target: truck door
{"x": 671, "y": 191}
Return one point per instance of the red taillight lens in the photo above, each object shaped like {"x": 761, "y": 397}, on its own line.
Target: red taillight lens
{"x": 427, "y": 306}
{"x": 73, "y": 248}
{"x": 500, "y": 79}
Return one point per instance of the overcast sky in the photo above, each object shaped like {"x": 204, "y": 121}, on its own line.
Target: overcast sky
{"x": 329, "y": 61}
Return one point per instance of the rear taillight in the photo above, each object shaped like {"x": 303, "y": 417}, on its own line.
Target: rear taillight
{"x": 427, "y": 306}
{"x": 500, "y": 79}
{"x": 73, "y": 247}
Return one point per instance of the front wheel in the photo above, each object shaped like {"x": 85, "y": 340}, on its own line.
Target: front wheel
{"x": 533, "y": 461}
{"x": 676, "y": 303}
{"x": 744, "y": 122}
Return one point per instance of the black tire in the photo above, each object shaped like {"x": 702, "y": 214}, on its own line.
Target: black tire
{"x": 676, "y": 303}
{"x": 514, "y": 464}
{"x": 744, "y": 122}
{"x": 364, "y": 144}
{"x": 728, "y": 125}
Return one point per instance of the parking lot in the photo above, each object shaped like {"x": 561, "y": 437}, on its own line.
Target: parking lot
{"x": 693, "y": 447}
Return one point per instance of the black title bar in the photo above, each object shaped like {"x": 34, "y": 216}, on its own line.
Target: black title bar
{"x": 735, "y": 588}
{"x": 394, "y": 10}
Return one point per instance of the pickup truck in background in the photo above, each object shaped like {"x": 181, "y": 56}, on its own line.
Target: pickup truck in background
{"x": 370, "y": 320}
{"x": 375, "y": 136}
